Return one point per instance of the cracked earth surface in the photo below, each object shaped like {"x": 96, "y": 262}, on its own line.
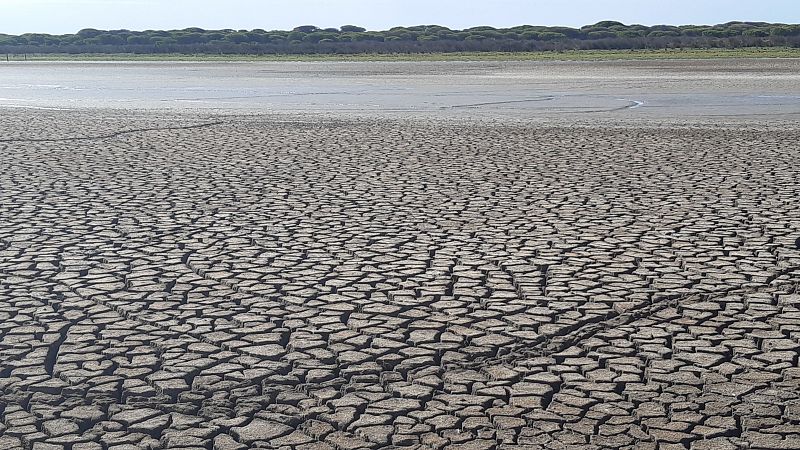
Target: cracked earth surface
{"x": 241, "y": 282}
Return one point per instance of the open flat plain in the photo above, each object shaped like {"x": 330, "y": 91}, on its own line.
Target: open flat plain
{"x": 321, "y": 256}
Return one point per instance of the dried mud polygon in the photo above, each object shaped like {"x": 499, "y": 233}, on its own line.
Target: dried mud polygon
{"x": 240, "y": 283}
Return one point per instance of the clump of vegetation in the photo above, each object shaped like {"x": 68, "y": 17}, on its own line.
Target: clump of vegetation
{"x": 570, "y": 55}
{"x": 351, "y": 39}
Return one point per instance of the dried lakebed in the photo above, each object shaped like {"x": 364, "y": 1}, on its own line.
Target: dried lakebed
{"x": 221, "y": 281}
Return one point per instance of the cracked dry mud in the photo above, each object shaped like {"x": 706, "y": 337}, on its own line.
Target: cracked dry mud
{"x": 241, "y": 282}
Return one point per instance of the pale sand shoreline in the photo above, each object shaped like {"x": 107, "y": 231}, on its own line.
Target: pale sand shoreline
{"x": 637, "y": 90}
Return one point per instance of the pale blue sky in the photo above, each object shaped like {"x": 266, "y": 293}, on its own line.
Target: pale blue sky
{"x": 67, "y": 16}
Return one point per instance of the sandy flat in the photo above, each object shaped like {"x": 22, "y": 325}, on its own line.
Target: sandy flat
{"x": 510, "y": 90}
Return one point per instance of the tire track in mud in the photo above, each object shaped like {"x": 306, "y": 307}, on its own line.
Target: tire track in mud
{"x": 112, "y": 135}
{"x": 548, "y": 345}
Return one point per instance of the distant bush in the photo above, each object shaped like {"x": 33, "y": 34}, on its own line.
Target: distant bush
{"x": 757, "y": 32}
{"x": 631, "y": 34}
{"x": 551, "y": 36}
{"x": 306, "y": 29}
{"x": 715, "y": 33}
{"x": 138, "y": 40}
{"x": 321, "y": 36}
{"x": 608, "y": 24}
{"x": 601, "y": 34}
{"x": 785, "y": 30}
{"x": 663, "y": 33}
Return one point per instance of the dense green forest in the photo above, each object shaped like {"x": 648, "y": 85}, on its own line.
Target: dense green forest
{"x": 424, "y": 38}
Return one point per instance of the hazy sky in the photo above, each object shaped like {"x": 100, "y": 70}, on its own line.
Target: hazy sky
{"x": 67, "y": 16}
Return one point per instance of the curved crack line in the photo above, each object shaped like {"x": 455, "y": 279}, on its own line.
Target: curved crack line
{"x": 114, "y": 134}
{"x": 632, "y": 104}
{"x": 548, "y": 345}
{"x": 475, "y": 105}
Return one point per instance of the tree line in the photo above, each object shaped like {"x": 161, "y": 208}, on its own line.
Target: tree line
{"x": 309, "y": 39}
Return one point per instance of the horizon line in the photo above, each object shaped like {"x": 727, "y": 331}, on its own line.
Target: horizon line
{"x": 760, "y": 22}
